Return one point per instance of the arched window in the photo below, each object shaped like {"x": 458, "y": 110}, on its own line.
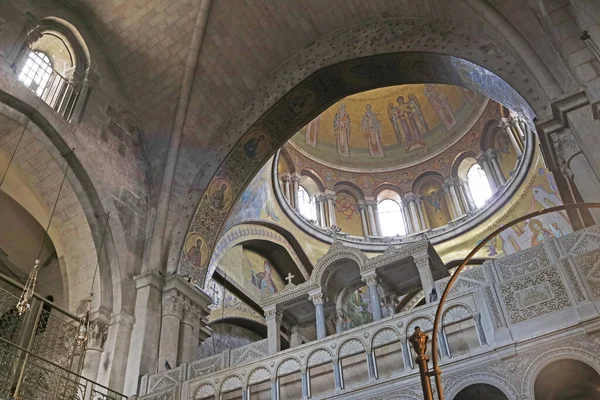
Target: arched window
{"x": 306, "y": 204}
{"x": 390, "y": 218}
{"x": 479, "y": 185}
{"x": 36, "y": 72}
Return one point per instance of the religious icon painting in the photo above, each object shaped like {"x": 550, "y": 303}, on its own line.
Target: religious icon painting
{"x": 196, "y": 250}
{"x": 256, "y": 144}
{"x": 301, "y": 101}
{"x": 405, "y": 177}
{"x": 220, "y": 194}
{"x": 365, "y": 181}
{"x": 328, "y": 175}
{"x": 442, "y": 163}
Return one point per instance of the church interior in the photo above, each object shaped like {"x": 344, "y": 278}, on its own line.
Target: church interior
{"x": 260, "y": 199}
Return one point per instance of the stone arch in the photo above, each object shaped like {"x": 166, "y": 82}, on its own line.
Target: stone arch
{"x": 488, "y": 136}
{"x": 232, "y": 382}
{"x": 285, "y": 157}
{"x": 454, "y": 170}
{"x": 258, "y": 374}
{"x": 315, "y": 177}
{"x": 424, "y": 177}
{"x": 287, "y": 366}
{"x": 318, "y": 356}
{"x": 78, "y": 193}
{"x": 304, "y": 87}
{"x": 351, "y": 346}
{"x": 384, "y": 336}
{"x": 425, "y": 323}
{"x": 349, "y": 188}
{"x": 546, "y": 358}
{"x": 338, "y": 251}
{"x": 387, "y": 186}
{"x": 456, "y": 384}
{"x": 459, "y": 309}
{"x": 205, "y": 390}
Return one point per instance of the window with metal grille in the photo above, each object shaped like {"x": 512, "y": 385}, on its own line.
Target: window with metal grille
{"x": 36, "y": 72}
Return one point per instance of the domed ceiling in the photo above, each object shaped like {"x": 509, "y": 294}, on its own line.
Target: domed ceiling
{"x": 390, "y": 128}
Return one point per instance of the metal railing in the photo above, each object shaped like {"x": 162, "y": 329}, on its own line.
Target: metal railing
{"x": 39, "y": 355}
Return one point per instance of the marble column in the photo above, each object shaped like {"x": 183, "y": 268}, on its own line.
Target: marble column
{"x": 407, "y": 218}
{"x": 449, "y": 201}
{"x": 305, "y": 391}
{"x": 480, "y": 332}
{"x": 317, "y": 299}
{"x": 377, "y": 221}
{"x": 422, "y": 263}
{"x": 337, "y": 374}
{"x": 493, "y": 157}
{"x": 295, "y": 188}
{"x": 371, "y": 364}
{"x": 188, "y": 333}
{"x": 406, "y": 356}
{"x": 172, "y": 311}
{"x": 414, "y": 216}
{"x": 458, "y": 210}
{"x": 295, "y": 339}
{"x": 371, "y": 212}
{"x": 421, "y": 211}
{"x": 274, "y": 389}
{"x": 371, "y": 280}
{"x": 331, "y": 198}
{"x": 93, "y": 350}
{"x": 286, "y": 178}
{"x": 321, "y": 202}
{"x": 363, "y": 217}
{"x": 339, "y": 321}
{"x": 466, "y": 195}
{"x": 484, "y": 163}
{"x": 506, "y": 124}
{"x": 273, "y": 318}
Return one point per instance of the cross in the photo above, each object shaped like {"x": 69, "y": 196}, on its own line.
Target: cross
{"x": 289, "y": 278}
{"x": 334, "y": 230}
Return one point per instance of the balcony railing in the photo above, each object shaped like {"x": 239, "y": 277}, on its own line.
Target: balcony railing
{"x": 39, "y": 356}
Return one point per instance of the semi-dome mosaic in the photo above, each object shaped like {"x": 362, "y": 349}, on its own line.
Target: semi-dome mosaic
{"x": 390, "y": 128}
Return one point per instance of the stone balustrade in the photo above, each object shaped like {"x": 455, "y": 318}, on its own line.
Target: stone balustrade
{"x": 492, "y": 316}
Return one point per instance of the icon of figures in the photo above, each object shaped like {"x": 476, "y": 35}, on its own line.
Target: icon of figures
{"x": 371, "y": 128}
{"x": 439, "y": 102}
{"x": 312, "y": 131}
{"x": 264, "y": 280}
{"x": 252, "y": 145}
{"x": 220, "y": 194}
{"x": 408, "y": 122}
{"x": 194, "y": 253}
{"x": 539, "y": 232}
{"x": 341, "y": 130}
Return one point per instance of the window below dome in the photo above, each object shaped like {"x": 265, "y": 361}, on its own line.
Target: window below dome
{"x": 306, "y": 205}
{"x": 390, "y": 218}
{"x": 36, "y": 72}
{"x": 479, "y": 185}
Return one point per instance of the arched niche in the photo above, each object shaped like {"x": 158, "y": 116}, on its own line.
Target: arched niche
{"x": 567, "y": 379}
{"x": 436, "y": 208}
{"x": 480, "y": 391}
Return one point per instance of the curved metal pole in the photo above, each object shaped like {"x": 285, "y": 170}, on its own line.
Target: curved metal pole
{"x": 438, "y": 314}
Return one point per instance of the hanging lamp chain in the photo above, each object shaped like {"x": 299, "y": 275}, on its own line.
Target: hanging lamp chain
{"x": 14, "y": 152}
{"x": 24, "y": 303}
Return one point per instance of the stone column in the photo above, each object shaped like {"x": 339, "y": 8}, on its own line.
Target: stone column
{"x": 295, "y": 188}
{"x": 458, "y": 210}
{"x": 371, "y": 213}
{"x": 480, "y": 332}
{"x": 363, "y": 217}
{"x": 449, "y": 201}
{"x": 422, "y": 263}
{"x": 295, "y": 339}
{"x": 321, "y": 202}
{"x": 274, "y": 389}
{"x": 286, "y": 178}
{"x": 406, "y": 356}
{"x": 483, "y": 162}
{"x": 493, "y": 157}
{"x": 506, "y": 124}
{"x": 371, "y": 364}
{"x": 317, "y": 299}
{"x": 414, "y": 216}
{"x": 443, "y": 344}
{"x": 466, "y": 195}
{"x": 172, "y": 311}
{"x": 93, "y": 350}
{"x": 331, "y": 198}
{"x": 188, "y": 332}
{"x": 371, "y": 280}
{"x": 337, "y": 375}
{"x": 273, "y": 318}
{"x": 377, "y": 221}
{"x": 305, "y": 391}
{"x": 407, "y": 218}
{"x": 421, "y": 211}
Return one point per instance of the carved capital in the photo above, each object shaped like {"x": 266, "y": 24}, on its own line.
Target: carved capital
{"x": 191, "y": 312}
{"x": 273, "y": 313}
{"x": 173, "y": 303}
{"x": 296, "y": 177}
{"x": 370, "y": 280}
{"x": 421, "y": 260}
{"x": 285, "y": 177}
{"x": 97, "y": 334}
{"x": 565, "y": 145}
{"x": 316, "y": 298}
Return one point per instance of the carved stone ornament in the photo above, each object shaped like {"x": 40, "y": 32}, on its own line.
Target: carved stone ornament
{"x": 565, "y": 145}
{"x": 370, "y": 280}
{"x": 97, "y": 335}
{"x": 271, "y": 313}
{"x": 316, "y": 298}
{"x": 173, "y": 303}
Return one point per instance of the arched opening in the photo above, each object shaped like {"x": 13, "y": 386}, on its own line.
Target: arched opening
{"x": 567, "y": 379}
{"x": 306, "y": 204}
{"x": 481, "y": 391}
{"x": 390, "y": 215}
{"x": 479, "y": 185}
